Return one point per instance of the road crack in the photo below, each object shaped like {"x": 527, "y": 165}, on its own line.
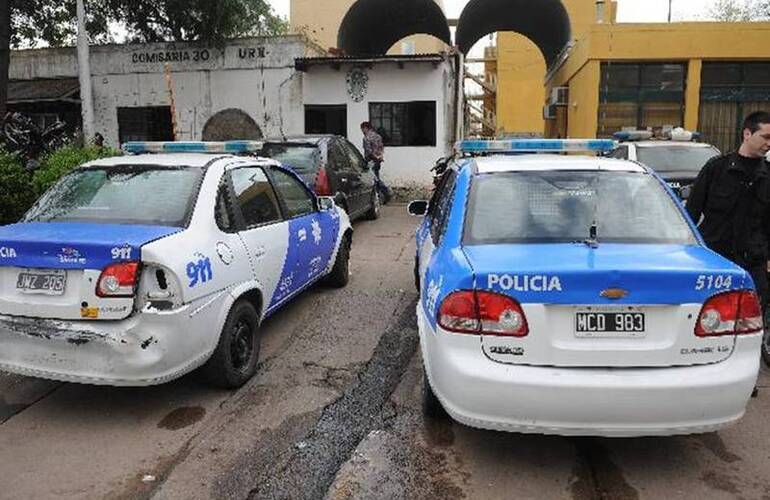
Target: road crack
{"x": 311, "y": 468}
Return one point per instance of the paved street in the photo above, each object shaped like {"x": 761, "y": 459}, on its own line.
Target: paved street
{"x": 335, "y": 412}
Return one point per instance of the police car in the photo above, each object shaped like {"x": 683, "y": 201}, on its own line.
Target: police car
{"x": 138, "y": 269}
{"x": 676, "y": 157}
{"x": 572, "y": 295}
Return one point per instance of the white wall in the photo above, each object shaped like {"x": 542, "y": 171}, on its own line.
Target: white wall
{"x": 416, "y": 81}
{"x": 255, "y": 75}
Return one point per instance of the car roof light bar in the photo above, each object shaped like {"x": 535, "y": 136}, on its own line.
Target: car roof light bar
{"x": 675, "y": 134}
{"x": 192, "y": 147}
{"x": 536, "y": 146}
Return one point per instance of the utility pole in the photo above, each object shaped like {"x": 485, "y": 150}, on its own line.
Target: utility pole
{"x": 84, "y": 76}
{"x": 669, "y": 10}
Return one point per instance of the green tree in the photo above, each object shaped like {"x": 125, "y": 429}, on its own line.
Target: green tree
{"x": 739, "y": 10}
{"x": 196, "y": 20}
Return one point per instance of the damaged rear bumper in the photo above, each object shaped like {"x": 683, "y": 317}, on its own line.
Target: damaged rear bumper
{"x": 148, "y": 348}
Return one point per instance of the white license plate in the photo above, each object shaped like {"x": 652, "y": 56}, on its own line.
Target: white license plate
{"x": 42, "y": 281}
{"x": 610, "y": 322}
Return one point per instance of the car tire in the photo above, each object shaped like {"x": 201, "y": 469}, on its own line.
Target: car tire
{"x": 766, "y": 348}
{"x": 431, "y": 406}
{"x": 235, "y": 359}
{"x": 374, "y": 210}
{"x": 340, "y": 273}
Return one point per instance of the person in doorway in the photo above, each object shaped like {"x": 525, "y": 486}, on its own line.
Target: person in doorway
{"x": 374, "y": 153}
{"x": 732, "y": 193}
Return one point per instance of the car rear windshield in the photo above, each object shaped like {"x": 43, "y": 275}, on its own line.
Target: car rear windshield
{"x": 560, "y": 207}
{"x": 145, "y": 195}
{"x": 302, "y": 158}
{"x": 667, "y": 159}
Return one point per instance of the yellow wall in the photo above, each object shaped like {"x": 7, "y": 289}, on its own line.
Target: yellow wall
{"x": 521, "y": 72}
{"x": 520, "y": 91}
{"x": 320, "y": 20}
{"x": 692, "y": 43}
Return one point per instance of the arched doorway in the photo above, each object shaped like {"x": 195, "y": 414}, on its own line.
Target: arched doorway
{"x": 546, "y": 24}
{"x": 371, "y": 27}
{"x": 231, "y": 124}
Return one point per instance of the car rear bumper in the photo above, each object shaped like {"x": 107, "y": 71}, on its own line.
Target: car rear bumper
{"x": 479, "y": 392}
{"x": 148, "y": 348}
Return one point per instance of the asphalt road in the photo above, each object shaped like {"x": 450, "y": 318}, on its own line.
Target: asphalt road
{"x": 335, "y": 413}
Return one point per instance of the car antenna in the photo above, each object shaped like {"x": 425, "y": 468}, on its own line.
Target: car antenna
{"x": 593, "y": 231}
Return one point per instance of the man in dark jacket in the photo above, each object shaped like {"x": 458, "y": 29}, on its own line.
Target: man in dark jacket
{"x": 732, "y": 193}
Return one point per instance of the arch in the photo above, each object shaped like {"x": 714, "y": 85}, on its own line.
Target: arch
{"x": 546, "y": 24}
{"x": 229, "y": 125}
{"x": 371, "y": 27}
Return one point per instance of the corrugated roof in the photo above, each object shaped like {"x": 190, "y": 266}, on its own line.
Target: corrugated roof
{"x": 42, "y": 90}
{"x": 302, "y": 63}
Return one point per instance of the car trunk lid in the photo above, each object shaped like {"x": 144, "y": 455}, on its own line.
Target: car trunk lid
{"x": 51, "y": 269}
{"x": 615, "y": 305}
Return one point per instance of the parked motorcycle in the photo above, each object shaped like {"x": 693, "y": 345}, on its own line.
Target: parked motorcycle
{"x": 22, "y": 136}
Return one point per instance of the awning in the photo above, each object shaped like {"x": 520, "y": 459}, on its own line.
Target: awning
{"x": 44, "y": 90}
{"x": 303, "y": 63}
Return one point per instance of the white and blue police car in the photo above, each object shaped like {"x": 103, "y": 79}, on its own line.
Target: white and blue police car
{"x": 572, "y": 295}
{"x": 137, "y": 269}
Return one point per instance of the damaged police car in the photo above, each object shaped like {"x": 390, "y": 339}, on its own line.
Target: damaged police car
{"x": 572, "y": 295}
{"x": 138, "y": 269}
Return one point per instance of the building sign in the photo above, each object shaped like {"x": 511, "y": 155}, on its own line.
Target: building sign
{"x": 164, "y": 56}
{"x": 192, "y": 55}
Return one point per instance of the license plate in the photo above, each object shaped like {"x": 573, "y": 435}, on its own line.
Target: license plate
{"x": 46, "y": 282}
{"x": 609, "y": 323}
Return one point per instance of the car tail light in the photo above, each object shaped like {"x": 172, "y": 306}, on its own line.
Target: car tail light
{"x": 322, "y": 187}
{"x": 482, "y": 313}
{"x": 730, "y": 313}
{"x": 118, "y": 280}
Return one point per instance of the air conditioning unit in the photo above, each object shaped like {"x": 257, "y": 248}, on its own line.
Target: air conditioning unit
{"x": 560, "y": 96}
{"x": 549, "y": 112}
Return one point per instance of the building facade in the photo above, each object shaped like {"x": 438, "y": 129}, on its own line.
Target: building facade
{"x": 168, "y": 91}
{"x": 702, "y": 76}
{"x": 251, "y": 89}
{"x": 409, "y": 100}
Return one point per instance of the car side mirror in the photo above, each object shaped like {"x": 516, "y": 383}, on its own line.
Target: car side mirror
{"x": 326, "y": 203}
{"x": 418, "y": 208}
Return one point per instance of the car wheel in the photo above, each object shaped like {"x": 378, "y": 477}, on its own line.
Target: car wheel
{"x": 374, "y": 211}
{"x": 431, "y": 406}
{"x": 766, "y": 348}
{"x": 235, "y": 359}
{"x": 340, "y": 273}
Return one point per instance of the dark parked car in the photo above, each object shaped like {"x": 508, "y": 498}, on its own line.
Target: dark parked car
{"x": 331, "y": 166}
{"x": 678, "y": 162}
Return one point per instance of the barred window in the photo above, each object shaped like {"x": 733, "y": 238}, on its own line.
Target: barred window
{"x": 641, "y": 96}
{"x": 404, "y": 123}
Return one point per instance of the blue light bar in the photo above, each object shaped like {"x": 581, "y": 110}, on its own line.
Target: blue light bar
{"x": 536, "y": 146}
{"x": 192, "y": 147}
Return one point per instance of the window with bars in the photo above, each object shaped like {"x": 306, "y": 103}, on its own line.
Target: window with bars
{"x": 404, "y": 123}
{"x": 729, "y": 92}
{"x": 641, "y": 96}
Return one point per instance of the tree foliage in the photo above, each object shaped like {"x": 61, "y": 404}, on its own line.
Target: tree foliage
{"x": 55, "y": 23}
{"x": 740, "y": 10}
{"x": 192, "y": 20}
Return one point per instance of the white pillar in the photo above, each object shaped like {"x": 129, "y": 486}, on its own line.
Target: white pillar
{"x": 84, "y": 75}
